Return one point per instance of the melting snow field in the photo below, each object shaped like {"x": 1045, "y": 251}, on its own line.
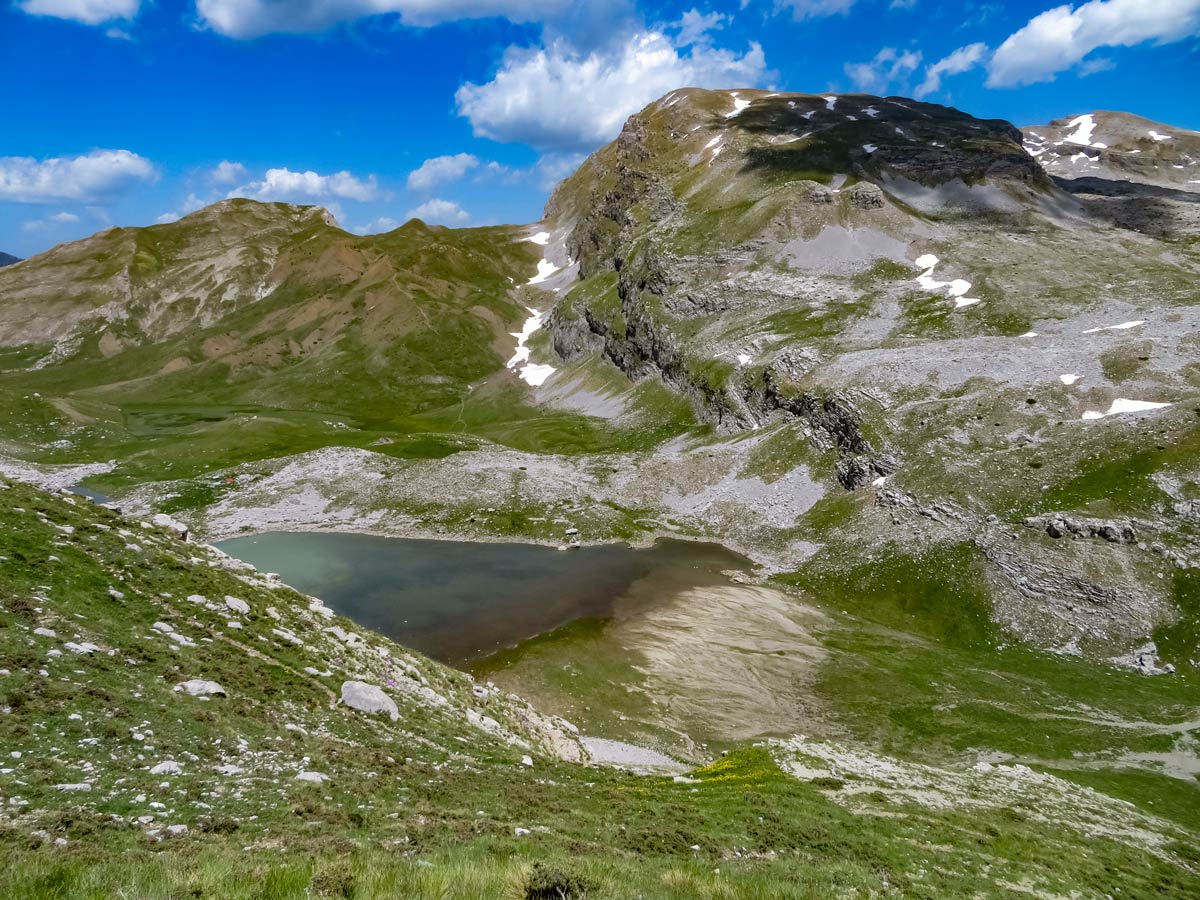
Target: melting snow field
{"x": 870, "y": 148}
{"x": 1121, "y": 405}
{"x": 541, "y": 238}
{"x": 738, "y": 106}
{"x": 957, "y": 288}
{"x": 1084, "y": 126}
{"x": 1158, "y": 137}
{"x": 1122, "y": 327}
{"x": 545, "y": 270}
{"x": 531, "y": 373}
{"x": 830, "y": 102}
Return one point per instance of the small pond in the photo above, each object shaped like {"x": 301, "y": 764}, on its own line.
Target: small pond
{"x": 459, "y": 601}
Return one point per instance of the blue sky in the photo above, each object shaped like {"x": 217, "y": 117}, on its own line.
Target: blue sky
{"x": 466, "y": 112}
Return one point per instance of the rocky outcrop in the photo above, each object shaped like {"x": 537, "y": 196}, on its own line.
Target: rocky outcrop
{"x": 1059, "y": 525}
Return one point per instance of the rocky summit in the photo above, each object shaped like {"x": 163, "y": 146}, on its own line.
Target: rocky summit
{"x": 935, "y": 379}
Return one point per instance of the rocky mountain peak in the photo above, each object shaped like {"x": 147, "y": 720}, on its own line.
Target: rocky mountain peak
{"x": 1117, "y": 146}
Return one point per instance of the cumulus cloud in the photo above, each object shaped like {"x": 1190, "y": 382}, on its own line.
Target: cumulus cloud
{"x": 889, "y": 67}
{"x": 694, "y": 26}
{"x": 92, "y": 176}
{"x": 59, "y": 218}
{"x": 226, "y": 172}
{"x": 286, "y": 185}
{"x": 190, "y": 205}
{"x": 814, "y": 9}
{"x": 252, "y": 18}
{"x": 558, "y": 98}
{"x": 89, "y": 12}
{"x": 441, "y": 169}
{"x": 439, "y": 212}
{"x": 1060, "y": 38}
{"x": 961, "y": 60}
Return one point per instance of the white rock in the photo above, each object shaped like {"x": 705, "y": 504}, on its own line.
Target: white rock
{"x": 81, "y": 788}
{"x": 527, "y": 760}
{"x": 313, "y": 777}
{"x": 167, "y": 767}
{"x": 45, "y": 632}
{"x": 369, "y": 699}
{"x": 198, "y": 687}
{"x": 196, "y": 598}
{"x": 237, "y": 605}
{"x": 177, "y": 830}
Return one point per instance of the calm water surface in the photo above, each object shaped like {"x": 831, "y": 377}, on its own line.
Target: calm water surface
{"x": 459, "y": 601}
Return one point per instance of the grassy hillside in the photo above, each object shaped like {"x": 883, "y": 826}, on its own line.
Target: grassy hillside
{"x": 249, "y": 331}
{"x": 102, "y": 617}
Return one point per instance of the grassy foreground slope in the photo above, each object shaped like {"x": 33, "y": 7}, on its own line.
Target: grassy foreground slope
{"x": 116, "y": 783}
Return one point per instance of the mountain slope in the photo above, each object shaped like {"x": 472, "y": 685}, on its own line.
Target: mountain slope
{"x": 7, "y": 259}
{"x": 910, "y": 303}
{"x": 252, "y": 328}
{"x": 1133, "y": 172}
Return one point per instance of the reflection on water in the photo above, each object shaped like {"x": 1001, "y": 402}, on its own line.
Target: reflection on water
{"x": 459, "y": 601}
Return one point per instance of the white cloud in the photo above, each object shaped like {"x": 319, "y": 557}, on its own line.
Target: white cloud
{"x": 1060, "y": 38}
{"x": 89, "y": 12}
{"x": 252, "y": 18}
{"x": 226, "y": 172}
{"x": 379, "y": 226}
{"x": 814, "y": 9}
{"x": 441, "y": 169}
{"x": 961, "y": 60}
{"x": 694, "y": 26}
{"x": 190, "y": 205}
{"x": 91, "y": 176}
{"x": 890, "y": 66}
{"x": 286, "y": 185}
{"x": 557, "y": 98}
{"x": 439, "y": 212}
{"x": 59, "y": 218}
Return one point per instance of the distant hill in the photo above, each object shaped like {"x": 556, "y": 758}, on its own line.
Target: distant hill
{"x": 7, "y": 259}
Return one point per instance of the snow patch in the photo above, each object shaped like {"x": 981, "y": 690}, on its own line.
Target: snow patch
{"x": 530, "y": 373}
{"x": 1158, "y": 137}
{"x": 738, "y": 106}
{"x": 1084, "y": 126}
{"x": 1124, "y": 326}
{"x": 545, "y": 270}
{"x": 1069, "y": 379}
{"x": 955, "y": 288}
{"x": 541, "y": 238}
{"x": 830, "y": 102}
{"x": 1121, "y": 405}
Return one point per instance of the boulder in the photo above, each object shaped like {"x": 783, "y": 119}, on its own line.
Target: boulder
{"x": 199, "y": 688}
{"x": 238, "y": 606}
{"x": 369, "y": 699}
{"x": 865, "y": 195}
